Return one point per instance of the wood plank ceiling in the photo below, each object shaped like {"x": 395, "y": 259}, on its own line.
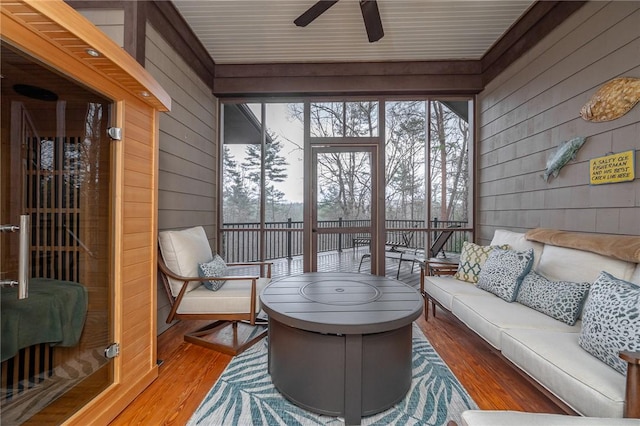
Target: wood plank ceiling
{"x": 262, "y": 31}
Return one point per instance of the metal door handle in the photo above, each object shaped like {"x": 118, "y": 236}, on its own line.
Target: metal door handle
{"x": 23, "y": 255}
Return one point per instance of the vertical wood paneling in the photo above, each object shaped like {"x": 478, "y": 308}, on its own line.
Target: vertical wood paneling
{"x": 534, "y": 105}
{"x": 188, "y": 155}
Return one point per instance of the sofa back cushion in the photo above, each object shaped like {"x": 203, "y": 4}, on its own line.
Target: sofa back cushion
{"x": 568, "y": 264}
{"x": 635, "y": 277}
{"x": 517, "y": 241}
{"x": 182, "y": 252}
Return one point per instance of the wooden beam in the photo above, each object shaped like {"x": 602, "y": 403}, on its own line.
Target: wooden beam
{"x": 164, "y": 16}
{"x": 135, "y": 30}
{"x": 542, "y": 18}
{"x": 429, "y": 77}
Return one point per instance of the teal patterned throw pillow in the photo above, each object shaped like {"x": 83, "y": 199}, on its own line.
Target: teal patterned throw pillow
{"x": 611, "y": 320}
{"x": 562, "y": 300}
{"x": 215, "y": 268}
{"x": 503, "y": 272}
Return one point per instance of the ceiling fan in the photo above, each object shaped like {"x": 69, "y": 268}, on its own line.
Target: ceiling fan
{"x": 370, "y": 14}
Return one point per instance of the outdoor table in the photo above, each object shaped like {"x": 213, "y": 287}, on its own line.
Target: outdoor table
{"x": 340, "y": 343}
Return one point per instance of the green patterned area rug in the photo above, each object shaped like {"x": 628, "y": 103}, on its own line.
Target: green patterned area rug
{"x": 244, "y": 395}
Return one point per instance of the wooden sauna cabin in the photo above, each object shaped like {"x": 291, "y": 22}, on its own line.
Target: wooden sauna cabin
{"x": 78, "y": 171}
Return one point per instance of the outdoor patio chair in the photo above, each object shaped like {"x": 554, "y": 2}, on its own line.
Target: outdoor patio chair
{"x": 403, "y": 253}
{"x": 402, "y": 239}
{"x": 441, "y": 240}
{"x": 183, "y": 255}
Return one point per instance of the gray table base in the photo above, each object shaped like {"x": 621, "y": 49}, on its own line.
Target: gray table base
{"x": 350, "y": 375}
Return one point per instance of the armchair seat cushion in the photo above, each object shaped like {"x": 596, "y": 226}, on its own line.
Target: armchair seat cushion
{"x": 232, "y": 298}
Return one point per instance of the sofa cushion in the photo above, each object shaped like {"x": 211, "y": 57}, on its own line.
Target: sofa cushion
{"x": 444, "y": 289}
{"x": 635, "y": 277}
{"x": 213, "y": 269}
{"x": 611, "y": 320}
{"x": 562, "y": 300}
{"x": 503, "y": 272}
{"x": 472, "y": 258}
{"x": 182, "y": 251}
{"x": 555, "y": 360}
{"x": 234, "y": 297}
{"x": 489, "y": 316}
{"x": 567, "y": 264}
{"x": 517, "y": 241}
{"x": 511, "y": 418}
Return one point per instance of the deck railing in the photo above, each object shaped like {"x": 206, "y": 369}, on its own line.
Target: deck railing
{"x": 241, "y": 241}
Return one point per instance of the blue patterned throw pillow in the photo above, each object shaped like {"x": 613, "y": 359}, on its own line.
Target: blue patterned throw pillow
{"x": 215, "y": 268}
{"x": 562, "y": 300}
{"x": 503, "y": 272}
{"x": 611, "y": 320}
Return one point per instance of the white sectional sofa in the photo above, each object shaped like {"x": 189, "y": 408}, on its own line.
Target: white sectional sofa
{"x": 544, "y": 348}
{"x": 512, "y": 418}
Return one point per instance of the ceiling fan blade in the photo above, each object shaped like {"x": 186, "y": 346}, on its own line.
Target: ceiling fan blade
{"x": 372, "y": 21}
{"x": 313, "y": 12}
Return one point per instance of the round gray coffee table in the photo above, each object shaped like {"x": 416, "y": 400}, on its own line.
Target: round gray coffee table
{"x": 340, "y": 343}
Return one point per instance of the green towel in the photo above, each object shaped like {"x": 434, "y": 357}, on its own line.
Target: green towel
{"x": 54, "y": 313}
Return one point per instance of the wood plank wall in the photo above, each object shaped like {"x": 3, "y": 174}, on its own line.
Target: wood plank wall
{"x": 534, "y": 105}
{"x": 188, "y": 165}
{"x": 188, "y": 156}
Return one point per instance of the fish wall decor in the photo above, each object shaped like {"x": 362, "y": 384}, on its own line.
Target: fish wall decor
{"x": 613, "y": 100}
{"x": 565, "y": 152}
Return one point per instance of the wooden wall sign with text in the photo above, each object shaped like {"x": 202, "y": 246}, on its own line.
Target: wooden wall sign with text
{"x": 614, "y": 168}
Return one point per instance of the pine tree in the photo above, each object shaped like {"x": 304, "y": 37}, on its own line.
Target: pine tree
{"x": 275, "y": 171}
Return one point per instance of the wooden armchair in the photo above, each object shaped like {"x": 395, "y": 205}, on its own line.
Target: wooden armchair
{"x": 233, "y": 307}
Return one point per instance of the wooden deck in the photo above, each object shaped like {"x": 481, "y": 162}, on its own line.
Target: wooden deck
{"x": 347, "y": 261}
{"x": 189, "y": 371}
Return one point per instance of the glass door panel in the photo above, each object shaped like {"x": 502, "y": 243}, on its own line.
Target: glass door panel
{"x": 343, "y": 202}
{"x": 55, "y": 166}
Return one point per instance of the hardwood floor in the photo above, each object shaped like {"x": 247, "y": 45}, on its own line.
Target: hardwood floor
{"x": 189, "y": 371}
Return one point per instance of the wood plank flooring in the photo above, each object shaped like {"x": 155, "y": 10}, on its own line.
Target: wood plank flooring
{"x": 189, "y": 371}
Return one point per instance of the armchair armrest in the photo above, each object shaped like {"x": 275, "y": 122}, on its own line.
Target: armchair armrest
{"x": 632, "y": 395}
